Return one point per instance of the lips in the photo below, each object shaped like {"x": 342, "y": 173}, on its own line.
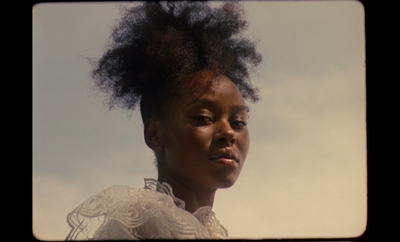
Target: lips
{"x": 225, "y": 156}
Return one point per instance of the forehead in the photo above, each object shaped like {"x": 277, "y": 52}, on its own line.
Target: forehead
{"x": 204, "y": 82}
{"x": 199, "y": 83}
{"x": 205, "y": 90}
{"x": 208, "y": 87}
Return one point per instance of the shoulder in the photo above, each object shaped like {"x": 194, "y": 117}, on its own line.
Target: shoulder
{"x": 123, "y": 212}
{"x": 147, "y": 214}
{"x": 120, "y": 199}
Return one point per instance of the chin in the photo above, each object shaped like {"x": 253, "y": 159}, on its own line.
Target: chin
{"x": 227, "y": 182}
{"x": 224, "y": 178}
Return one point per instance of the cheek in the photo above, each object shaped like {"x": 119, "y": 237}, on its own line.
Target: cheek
{"x": 188, "y": 141}
{"x": 197, "y": 138}
{"x": 244, "y": 144}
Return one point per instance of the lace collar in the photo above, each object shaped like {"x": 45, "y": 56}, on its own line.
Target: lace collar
{"x": 202, "y": 213}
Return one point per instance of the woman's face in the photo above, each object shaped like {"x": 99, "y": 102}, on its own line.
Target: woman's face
{"x": 204, "y": 135}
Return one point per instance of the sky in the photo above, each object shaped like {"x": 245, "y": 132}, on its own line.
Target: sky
{"x": 305, "y": 174}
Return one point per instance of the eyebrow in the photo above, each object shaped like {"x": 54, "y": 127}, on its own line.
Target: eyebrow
{"x": 239, "y": 108}
{"x": 236, "y": 108}
{"x": 201, "y": 100}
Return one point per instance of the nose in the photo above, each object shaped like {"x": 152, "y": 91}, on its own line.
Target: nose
{"x": 225, "y": 133}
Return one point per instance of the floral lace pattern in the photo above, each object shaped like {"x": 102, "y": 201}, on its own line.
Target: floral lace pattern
{"x": 152, "y": 212}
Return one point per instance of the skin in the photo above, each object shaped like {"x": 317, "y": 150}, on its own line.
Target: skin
{"x": 202, "y": 141}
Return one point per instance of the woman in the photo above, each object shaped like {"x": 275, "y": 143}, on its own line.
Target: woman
{"x": 187, "y": 66}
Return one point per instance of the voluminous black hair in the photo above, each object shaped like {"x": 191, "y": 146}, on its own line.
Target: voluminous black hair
{"x": 157, "y": 44}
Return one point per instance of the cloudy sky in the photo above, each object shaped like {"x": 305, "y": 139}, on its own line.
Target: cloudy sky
{"x": 305, "y": 175}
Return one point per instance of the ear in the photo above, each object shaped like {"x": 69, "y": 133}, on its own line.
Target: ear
{"x": 152, "y": 134}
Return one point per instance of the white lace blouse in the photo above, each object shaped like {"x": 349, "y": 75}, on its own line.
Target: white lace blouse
{"x": 152, "y": 212}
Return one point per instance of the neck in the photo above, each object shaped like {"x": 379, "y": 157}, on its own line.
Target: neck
{"x": 195, "y": 196}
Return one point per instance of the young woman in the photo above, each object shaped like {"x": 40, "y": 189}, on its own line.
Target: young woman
{"x": 186, "y": 65}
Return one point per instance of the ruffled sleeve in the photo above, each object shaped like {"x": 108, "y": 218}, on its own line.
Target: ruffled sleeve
{"x": 121, "y": 212}
{"x": 106, "y": 212}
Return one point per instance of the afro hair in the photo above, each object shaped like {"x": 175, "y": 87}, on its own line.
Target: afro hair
{"x": 156, "y": 44}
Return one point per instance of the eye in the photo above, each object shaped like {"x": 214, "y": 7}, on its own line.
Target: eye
{"x": 203, "y": 118}
{"x": 238, "y": 123}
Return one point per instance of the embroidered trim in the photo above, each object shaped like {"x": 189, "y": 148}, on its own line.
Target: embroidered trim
{"x": 121, "y": 212}
{"x": 165, "y": 188}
